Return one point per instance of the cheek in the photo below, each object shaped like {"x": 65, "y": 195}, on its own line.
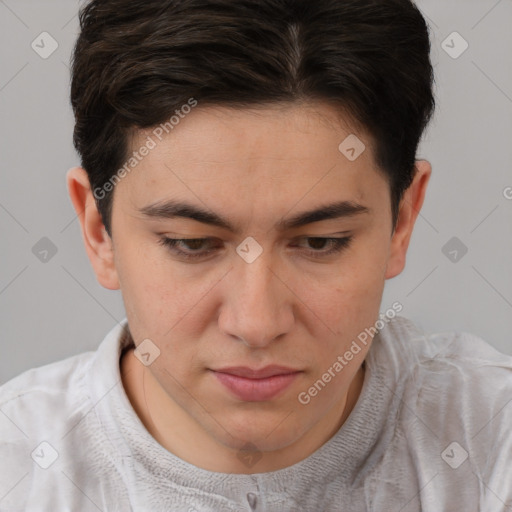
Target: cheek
{"x": 170, "y": 312}
{"x": 347, "y": 305}
{"x": 148, "y": 280}
{"x": 354, "y": 293}
{"x": 151, "y": 293}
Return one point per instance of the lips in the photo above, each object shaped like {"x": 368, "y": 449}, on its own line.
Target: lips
{"x": 256, "y": 385}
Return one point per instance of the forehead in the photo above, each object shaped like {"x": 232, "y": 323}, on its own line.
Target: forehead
{"x": 272, "y": 150}
{"x": 295, "y": 130}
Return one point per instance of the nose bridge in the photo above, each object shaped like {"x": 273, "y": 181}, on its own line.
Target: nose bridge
{"x": 257, "y": 280}
{"x": 256, "y": 306}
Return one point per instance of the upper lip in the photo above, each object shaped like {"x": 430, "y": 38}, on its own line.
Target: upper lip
{"x": 261, "y": 373}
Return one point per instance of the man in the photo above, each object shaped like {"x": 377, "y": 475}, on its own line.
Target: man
{"x": 249, "y": 182}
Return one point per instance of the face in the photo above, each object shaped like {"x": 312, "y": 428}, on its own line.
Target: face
{"x": 253, "y": 285}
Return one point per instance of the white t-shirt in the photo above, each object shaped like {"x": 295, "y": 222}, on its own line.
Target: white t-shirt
{"x": 431, "y": 432}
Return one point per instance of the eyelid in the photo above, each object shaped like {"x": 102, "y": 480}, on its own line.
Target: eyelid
{"x": 339, "y": 244}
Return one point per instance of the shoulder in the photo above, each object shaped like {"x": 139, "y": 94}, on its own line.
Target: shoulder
{"x": 58, "y": 389}
{"x": 462, "y": 363}
{"x": 470, "y": 383}
{"x": 53, "y": 447}
{"x": 455, "y": 394}
{"x": 46, "y": 380}
{"x": 444, "y": 357}
{"x": 449, "y": 382}
{"x": 49, "y": 394}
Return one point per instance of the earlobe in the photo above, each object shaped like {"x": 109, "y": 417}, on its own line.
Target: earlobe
{"x": 410, "y": 207}
{"x": 98, "y": 244}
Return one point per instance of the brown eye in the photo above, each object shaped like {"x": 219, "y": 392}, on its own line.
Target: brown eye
{"x": 336, "y": 245}
{"x": 193, "y": 244}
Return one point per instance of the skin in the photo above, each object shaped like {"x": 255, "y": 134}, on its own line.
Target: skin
{"x": 288, "y": 307}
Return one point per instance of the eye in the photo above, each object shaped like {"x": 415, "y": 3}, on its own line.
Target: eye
{"x": 336, "y": 245}
{"x": 174, "y": 243}
{"x": 193, "y": 246}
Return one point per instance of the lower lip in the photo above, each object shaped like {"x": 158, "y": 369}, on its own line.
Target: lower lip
{"x": 256, "y": 390}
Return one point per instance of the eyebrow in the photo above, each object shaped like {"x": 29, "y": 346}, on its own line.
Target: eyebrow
{"x": 172, "y": 209}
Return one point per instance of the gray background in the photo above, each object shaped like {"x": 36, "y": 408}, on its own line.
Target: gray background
{"x": 54, "y": 309}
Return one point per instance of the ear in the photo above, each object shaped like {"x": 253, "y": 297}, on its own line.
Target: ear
{"x": 98, "y": 243}
{"x": 410, "y": 207}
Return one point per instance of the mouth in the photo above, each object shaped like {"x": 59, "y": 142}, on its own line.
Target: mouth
{"x": 256, "y": 385}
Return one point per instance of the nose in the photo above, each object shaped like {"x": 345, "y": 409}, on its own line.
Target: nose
{"x": 258, "y": 306}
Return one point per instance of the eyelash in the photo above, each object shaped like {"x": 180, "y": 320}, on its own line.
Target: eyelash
{"x": 338, "y": 245}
